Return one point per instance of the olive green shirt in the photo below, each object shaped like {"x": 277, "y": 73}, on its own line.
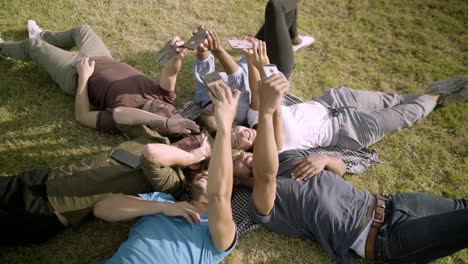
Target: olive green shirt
{"x": 74, "y": 189}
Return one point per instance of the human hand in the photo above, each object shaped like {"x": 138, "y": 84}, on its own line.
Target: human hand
{"x": 271, "y": 91}
{"x": 178, "y": 43}
{"x": 309, "y": 166}
{"x": 181, "y": 126}
{"x": 184, "y": 209}
{"x": 85, "y": 68}
{"x": 225, "y": 102}
{"x": 204, "y": 151}
{"x": 258, "y": 54}
{"x": 211, "y": 43}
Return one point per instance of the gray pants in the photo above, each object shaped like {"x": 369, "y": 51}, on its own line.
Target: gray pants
{"x": 362, "y": 118}
{"x": 51, "y": 53}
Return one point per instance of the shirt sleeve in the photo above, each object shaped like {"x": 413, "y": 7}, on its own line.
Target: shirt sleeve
{"x": 106, "y": 122}
{"x": 164, "y": 179}
{"x": 252, "y": 117}
{"x": 165, "y": 95}
{"x": 202, "y": 68}
{"x": 156, "y": 196}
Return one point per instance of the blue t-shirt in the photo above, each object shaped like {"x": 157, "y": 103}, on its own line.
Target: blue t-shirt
{"x": 161, "y": 239}
{"x": 325, "y": 208}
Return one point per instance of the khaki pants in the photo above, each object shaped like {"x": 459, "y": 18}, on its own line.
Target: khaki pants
{"x": 51, "y": 53}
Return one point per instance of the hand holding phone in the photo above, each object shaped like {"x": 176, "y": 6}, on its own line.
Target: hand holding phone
{"x": 211, "y": 78}
{"x": 196, "y": 39}
{"x": 165, "y": 54}
{"x": 270, "y": 69}
{"x": 240, "y": 44}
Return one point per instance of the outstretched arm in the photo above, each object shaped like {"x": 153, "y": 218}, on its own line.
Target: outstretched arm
{"x": 83, "y": 115}
{"x": 220, "y": 172}
{"x": 167, "y": 155}
{"x": 310, "y": 166}
{"x": 265, "y": 163}
{"x": 121, "y": 207}
{"x": 169, "y": 73}
{"x": 134, "y": 116}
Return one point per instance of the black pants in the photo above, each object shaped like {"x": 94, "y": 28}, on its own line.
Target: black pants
{"x": 420, "y": 227}
{"x": 26, "y": 215}
{"x": 279, "y": 28}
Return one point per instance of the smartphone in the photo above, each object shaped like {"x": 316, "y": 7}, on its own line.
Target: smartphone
{"x": 240, "y": 44}
{"x": 212, "y": 78}
{"x": 270, "y": 69}
{"x": 165, "y": 54}
{"x": 196, "y": 39}
{"x": 126, "y": 158}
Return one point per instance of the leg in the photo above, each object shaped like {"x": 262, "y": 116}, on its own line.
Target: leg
{"x": 83, "y": 37}
{"x": 425, "y": 227}
{"x": 25, "y": 213}
{"x": 279, "y": 17}
{"x": 60, "y": 64}
{"x": 362, "y": 99}
{"x": 360, "y": 129}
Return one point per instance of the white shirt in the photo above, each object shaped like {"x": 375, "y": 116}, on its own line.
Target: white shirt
{"x": 305, "y": 125}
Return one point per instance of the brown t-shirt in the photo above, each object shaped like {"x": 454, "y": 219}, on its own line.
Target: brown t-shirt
{"x": 116, "y": 84}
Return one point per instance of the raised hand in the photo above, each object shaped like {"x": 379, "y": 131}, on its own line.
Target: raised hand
{"x": 204, "y": 151}
{"x": 271, "y": 91}
{"x": 85, "y": 68}
{"x": 225, "y": 102}
{"x": 211, "y": 43}
{"x": 309, "y": 167}
{"x": 181, "y": 126}
{"x": 184, "y": 209}
{"x": 258, "y": 54}
{"x": 177, "y": 42}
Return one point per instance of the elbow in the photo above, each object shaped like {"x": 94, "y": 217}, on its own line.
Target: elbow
{"x": 80, "y": 119}
{"x": 103, "y": 209}
{"x": 151, "y": 154}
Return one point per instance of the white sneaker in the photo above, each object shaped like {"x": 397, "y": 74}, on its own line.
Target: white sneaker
{"x": 1, "y": 40}
{"x": 306, "y": 41}
{"x": 34, "y": 30}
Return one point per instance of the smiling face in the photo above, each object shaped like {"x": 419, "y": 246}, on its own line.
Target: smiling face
{"x": 189, "y": 143}
{"x": 243, "y": 137}
{"x": 242, "y": 165}
{"x": 163, "y": 109}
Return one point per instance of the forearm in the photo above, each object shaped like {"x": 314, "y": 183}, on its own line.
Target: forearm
{"x": 167, "y": 155}
{"x": 169, "y": 74}
{"x": 120, "y": 207}
{"x": 229, "y": 64}
{"x": 336, "y": 165}
{"x": 254, "y": 78}
{"x": 135, "y": 116}
{"x": 265, "y": 164}
{"x": 278, "y": 128}
{"x": 82, "y": 104}
{"x": 220, "y": 170}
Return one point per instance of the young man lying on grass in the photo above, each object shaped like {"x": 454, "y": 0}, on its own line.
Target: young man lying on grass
{"x": 403, "y": 228}
{"x": 123, "y": 95}
{"x": 37, "y": 204}
{"x": 199, "y": 231}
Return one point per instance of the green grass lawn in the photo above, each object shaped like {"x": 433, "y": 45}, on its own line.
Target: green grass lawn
{"x": 396, "y": 46}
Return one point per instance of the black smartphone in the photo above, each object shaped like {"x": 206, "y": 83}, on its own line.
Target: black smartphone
{"x": 196, "y": 39}
{"x": 165, "y": 54}
{"x": 212, "y": 78}
{"x": 126, "y": 158}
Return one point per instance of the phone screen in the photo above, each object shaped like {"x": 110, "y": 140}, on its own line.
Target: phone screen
{"x": 196, "y": 39}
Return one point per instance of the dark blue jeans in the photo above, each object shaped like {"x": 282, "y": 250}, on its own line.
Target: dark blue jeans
{"x": 421, "y": 227}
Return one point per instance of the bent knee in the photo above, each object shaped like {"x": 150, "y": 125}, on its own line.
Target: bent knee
{"x": 275, "y": 6}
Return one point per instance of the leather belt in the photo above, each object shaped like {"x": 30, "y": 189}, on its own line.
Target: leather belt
{"x": 377, "y": 206}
